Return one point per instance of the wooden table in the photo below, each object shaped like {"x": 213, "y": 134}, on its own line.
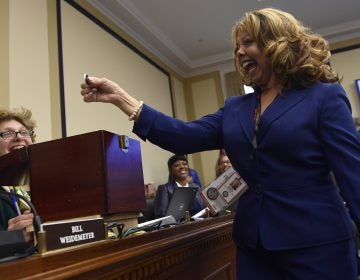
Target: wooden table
{"x": 198, "y": 250}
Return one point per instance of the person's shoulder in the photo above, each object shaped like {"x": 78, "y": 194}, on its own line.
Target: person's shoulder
{"x": 161, "y": 186}
{"x": 322, "y": 87}
{"x": 329, "y": 86}
{"x": 193, "y": 171}
{"x": 321, "y": 95}
{"x": 193, "y": 185}
{"x": 166, "y": 186}
{"x": 321, "y": 90}
{"x": 238, "y": 99}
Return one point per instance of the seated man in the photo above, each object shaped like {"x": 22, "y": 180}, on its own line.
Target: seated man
{"x": 16, "y": 131}
{"x": 178, "y": 177}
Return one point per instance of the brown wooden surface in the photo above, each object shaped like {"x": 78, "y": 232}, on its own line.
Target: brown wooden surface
{"x": 12, "y": 166}
{"x": 81, "y": 175}
{"x": 84, "y": 175}
{"x": 199, "y": 250}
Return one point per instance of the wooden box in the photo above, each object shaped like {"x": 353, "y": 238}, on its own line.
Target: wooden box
{"x": 95, "y": 173}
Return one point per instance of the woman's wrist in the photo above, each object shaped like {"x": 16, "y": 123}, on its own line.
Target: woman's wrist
{"x": 134, "y": 115}
{"x": 129, "y": 105}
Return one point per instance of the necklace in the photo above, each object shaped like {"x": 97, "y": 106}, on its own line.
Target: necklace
{"x": 257, "y": 115}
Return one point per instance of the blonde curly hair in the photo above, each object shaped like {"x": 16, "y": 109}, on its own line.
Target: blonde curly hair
{"x": 22, "y": 115}
{"x": 297, "y": 56}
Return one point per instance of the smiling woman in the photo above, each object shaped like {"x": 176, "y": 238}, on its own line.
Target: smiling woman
{"x": 16, "y": 131}
{"x": 178, "y": 177}
{"x": 284, "y": 139}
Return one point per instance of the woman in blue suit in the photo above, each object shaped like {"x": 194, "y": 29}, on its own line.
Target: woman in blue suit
{"x": 284, "y": 139}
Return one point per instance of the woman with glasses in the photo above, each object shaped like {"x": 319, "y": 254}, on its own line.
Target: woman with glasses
{"x": 222, "y": 164}
{"x": 16, "y": 132}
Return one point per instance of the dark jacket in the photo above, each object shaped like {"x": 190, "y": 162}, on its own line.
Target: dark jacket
{"x": 195, "y": 177}
{"x": 163, "y": 196}
{"x": 6, "y": 212}
{"x": 292, "y": 202}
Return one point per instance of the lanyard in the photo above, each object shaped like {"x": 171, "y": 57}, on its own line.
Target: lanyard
{"x": 256, "y": 117}
{"x": 257, "y": 114}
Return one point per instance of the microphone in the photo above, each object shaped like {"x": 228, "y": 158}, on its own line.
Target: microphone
{"x": 12, "y": 242}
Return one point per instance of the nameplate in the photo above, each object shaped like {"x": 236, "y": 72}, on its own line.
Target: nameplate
{"x": 69, "y": 233}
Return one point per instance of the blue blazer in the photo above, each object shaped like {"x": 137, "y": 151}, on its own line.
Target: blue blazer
{"x": 163, "y": 196}
{"x": 304, "y": 134}
{"x": 194, "y": 175}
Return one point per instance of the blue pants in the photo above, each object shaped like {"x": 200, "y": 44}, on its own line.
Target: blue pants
{"x": 332, "y": 261}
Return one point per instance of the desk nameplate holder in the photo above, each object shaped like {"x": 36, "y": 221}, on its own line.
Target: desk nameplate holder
{"x": 70, "y": 233}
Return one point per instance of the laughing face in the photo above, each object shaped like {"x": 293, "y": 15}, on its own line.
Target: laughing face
{"x": 252, "y": 61}
{"x": 6, "y": 146}
{"x": 180, "y": 170}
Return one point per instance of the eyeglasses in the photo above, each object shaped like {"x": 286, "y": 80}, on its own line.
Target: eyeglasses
{"x": 225, "y": 162}
{"x": 10, "y": 134}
